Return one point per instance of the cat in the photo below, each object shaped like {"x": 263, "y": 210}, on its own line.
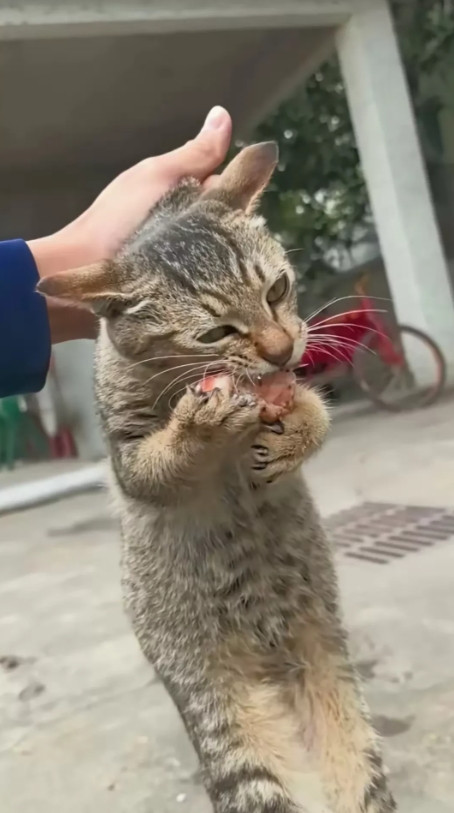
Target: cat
{"x": 228, "y": 577}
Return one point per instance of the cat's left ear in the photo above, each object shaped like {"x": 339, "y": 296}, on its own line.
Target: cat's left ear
{"x": 96, "y": 287}
{"x": 246, "y": 177}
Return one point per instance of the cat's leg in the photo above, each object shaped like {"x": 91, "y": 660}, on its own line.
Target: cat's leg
{"x": 337, "y": 728}
{"x": 281, "y": 448}
{"x": 248, "y": 743}
{"x": 203, "y": 430}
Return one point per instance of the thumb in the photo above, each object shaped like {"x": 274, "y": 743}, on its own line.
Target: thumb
{"x": 201, "y": 156}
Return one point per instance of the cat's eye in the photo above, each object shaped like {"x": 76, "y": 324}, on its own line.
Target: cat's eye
{"x": 217, "y": 333}
{"x": 277, "y": 291}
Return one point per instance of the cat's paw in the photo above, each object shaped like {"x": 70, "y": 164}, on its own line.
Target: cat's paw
{"x": 282, "y": 447}
{"x": 218, "y": 414}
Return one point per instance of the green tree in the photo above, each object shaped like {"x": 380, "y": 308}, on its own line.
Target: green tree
{"x": 318, "y": 196}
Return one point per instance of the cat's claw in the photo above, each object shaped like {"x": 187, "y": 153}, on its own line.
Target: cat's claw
{"x": 261, "y": 453}
{"x": 281, "y": 447}
{"x": 217, "y": 413}
{"x": 260, "y": 457}
{"x": 277, "y": 427}
{"x": 202, "y": 395}
{"x": 245, "y": 400}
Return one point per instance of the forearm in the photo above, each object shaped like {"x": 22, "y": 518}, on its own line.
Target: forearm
{"x": 24, "y": 326}
{"x": 164, "y": 465}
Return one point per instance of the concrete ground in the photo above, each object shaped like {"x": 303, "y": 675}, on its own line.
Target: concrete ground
{"x": 86, "y": 728}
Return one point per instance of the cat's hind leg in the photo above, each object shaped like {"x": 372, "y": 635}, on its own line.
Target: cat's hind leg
{"x": 337, "y": 728}
{"x": 249, "y": 746}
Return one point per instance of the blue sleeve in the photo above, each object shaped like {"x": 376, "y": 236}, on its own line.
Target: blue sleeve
{"x": 24, "y": 324}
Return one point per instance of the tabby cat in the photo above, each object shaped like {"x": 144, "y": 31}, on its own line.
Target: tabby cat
{"x": 228, "y": 577}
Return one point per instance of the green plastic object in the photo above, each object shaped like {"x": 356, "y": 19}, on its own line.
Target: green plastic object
{"x": 20, "y": 436}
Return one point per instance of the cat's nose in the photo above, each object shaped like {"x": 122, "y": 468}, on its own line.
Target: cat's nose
{"x": 275, "y": 346}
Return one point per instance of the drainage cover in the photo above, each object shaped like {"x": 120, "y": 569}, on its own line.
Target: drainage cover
{"x": 382, "y": 532}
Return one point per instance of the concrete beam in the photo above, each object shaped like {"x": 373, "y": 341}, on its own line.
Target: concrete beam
{"x": 30, "y": 19}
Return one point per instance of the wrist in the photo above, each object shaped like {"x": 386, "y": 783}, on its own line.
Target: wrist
{"x": 63, "y": 250}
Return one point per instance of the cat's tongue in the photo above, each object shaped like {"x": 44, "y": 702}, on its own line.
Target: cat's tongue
{"x": 276, "y": 390}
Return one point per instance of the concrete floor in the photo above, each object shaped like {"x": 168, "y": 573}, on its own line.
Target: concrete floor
{"x": 84, "y": 725}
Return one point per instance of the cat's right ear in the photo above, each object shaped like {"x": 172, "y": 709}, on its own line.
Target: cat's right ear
{"x": 96, "y": 287}
{"x": 246, "y": 177}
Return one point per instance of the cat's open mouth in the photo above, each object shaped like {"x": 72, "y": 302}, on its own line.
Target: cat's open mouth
{"x": 275, "y": 390}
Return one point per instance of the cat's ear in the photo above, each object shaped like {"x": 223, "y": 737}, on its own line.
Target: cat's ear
{"x": 96, "y": 287}
{"x": 245, "y": 178}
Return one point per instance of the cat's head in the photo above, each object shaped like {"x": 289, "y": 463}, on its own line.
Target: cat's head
{"x": 201, "y": 277}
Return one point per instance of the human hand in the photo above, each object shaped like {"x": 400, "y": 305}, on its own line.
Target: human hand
{"x": 98, "y": 232}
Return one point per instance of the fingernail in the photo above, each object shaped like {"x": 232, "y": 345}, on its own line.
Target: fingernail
{"x": 216, "y": 118}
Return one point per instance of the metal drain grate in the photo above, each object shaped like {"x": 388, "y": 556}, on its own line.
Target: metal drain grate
{"x": 381, "y": 532}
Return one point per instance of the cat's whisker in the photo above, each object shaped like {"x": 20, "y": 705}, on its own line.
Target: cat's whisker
{"x": 330, "y": 349}
{"x": 207, "y": 368}
{"x": 334, "y": 341}
{"x": 236, "y": 382}
{"x": 180, "y": 390}
{"x": 171, "y": 369}
{"x": 316, "y": 348}
{"x": 309, "y": 353}
{"x": 344, "y": 352}
{"x": 342, "y": 345}
{"x": 342, "y": 299}
{"x": 330, "y": 319}
{"x": 187, "y": 375}
{"x": 325, "y": 337}
{"x": 293, "y": 250}
{"x": 337, "y": 337}
{"x": 175, "y": 396}
{"x": 176, "y": 356}
{"x": 341, "y": 335}
{"x": 324, "y": 349}
{"x": 332, "y": 337}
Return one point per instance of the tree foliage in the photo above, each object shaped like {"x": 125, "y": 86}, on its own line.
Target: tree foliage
{"x": 318, "y": 197}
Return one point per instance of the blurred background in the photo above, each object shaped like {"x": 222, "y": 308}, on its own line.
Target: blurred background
{"x": 360, "y": 96}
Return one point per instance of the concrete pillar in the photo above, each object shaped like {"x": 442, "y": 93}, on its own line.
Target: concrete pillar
{"x": 389, "y": 147}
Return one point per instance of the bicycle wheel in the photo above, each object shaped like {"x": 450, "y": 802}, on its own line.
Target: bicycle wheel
{"x": 397, "y": 387}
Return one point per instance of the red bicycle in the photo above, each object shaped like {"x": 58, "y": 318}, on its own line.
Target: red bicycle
{"x": 398, "y": 369}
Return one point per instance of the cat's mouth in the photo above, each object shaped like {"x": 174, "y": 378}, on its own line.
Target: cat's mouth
{"x": 276, "y": 391}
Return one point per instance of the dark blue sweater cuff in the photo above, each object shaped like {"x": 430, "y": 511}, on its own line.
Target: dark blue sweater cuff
{"x": 24, "y": 324}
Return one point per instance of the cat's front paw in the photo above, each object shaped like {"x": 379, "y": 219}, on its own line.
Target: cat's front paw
{"x": 282, "y": 447}
{"x": 218, "y": 415}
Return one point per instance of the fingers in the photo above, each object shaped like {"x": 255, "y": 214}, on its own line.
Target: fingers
{"x": 201, "y": 156}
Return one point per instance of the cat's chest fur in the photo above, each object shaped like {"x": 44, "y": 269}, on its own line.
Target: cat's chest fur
{"x": 193, "y": 571}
